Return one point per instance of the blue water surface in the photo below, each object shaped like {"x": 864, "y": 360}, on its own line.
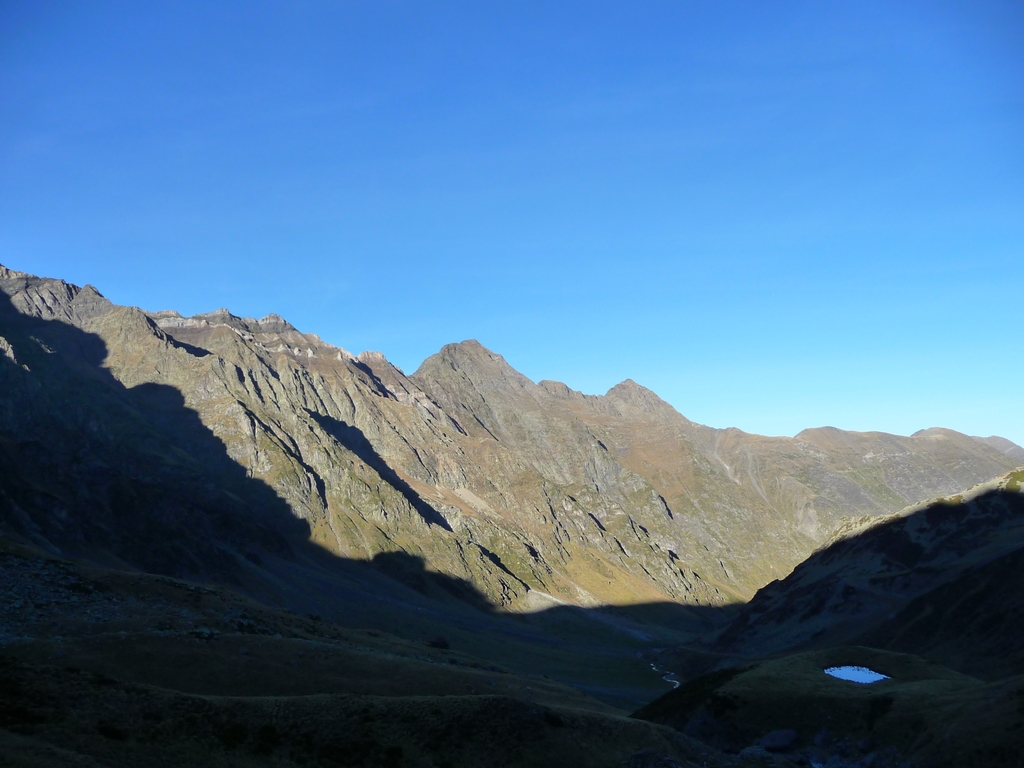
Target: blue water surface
{"x": 856, "y": 674}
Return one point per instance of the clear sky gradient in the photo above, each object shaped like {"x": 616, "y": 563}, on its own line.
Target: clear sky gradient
{"x": 775, "y": 215}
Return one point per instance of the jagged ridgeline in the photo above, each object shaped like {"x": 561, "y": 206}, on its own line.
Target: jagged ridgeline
{"x": 207, "y": 446}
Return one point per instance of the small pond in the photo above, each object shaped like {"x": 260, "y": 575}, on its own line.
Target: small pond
{"x": 856, "y": 674}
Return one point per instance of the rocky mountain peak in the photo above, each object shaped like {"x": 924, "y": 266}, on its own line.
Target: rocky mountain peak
{"x": 220, "y": 316}
{"x": 274, "y": 324}
{"x": 10, "y": 274}
{"x": 370, "y": 357}
{"x": 630, "y": 393}
{"x": 469, "y": 350}
{"x": 561, "y": 390}
{"x": 476, "y": 362}
{"x": 51, "y": 298}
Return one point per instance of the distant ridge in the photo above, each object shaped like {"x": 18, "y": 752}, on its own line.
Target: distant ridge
{"x": 1005, "y": 446}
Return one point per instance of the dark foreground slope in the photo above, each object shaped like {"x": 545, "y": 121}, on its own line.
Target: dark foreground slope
{"x": 112, "y": 668}
{"x": 931, "y": 597}
{"x": 924, "y": 715}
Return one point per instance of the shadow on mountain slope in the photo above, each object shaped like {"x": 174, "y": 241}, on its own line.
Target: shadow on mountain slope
{"x": 130, "y": 477}
{"x": 641, "y": 625}
{"x": 164, "y": 408}
{"x": 121, "y": 475}
{"x": 353, "y": 438}
{"x": 944, "y": 581}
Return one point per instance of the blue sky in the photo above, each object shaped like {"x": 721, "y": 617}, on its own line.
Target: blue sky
{"x": 775, "y": 215}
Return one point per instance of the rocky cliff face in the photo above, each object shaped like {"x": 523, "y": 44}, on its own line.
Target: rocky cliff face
{"x": 208, "y": 445}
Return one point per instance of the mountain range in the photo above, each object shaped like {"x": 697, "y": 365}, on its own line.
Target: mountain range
{"x": 462, "y": 508}
{"x": 531, "y": 492}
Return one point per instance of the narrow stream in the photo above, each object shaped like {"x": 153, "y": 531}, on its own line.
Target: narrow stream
{"x": 669, "y": 678}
